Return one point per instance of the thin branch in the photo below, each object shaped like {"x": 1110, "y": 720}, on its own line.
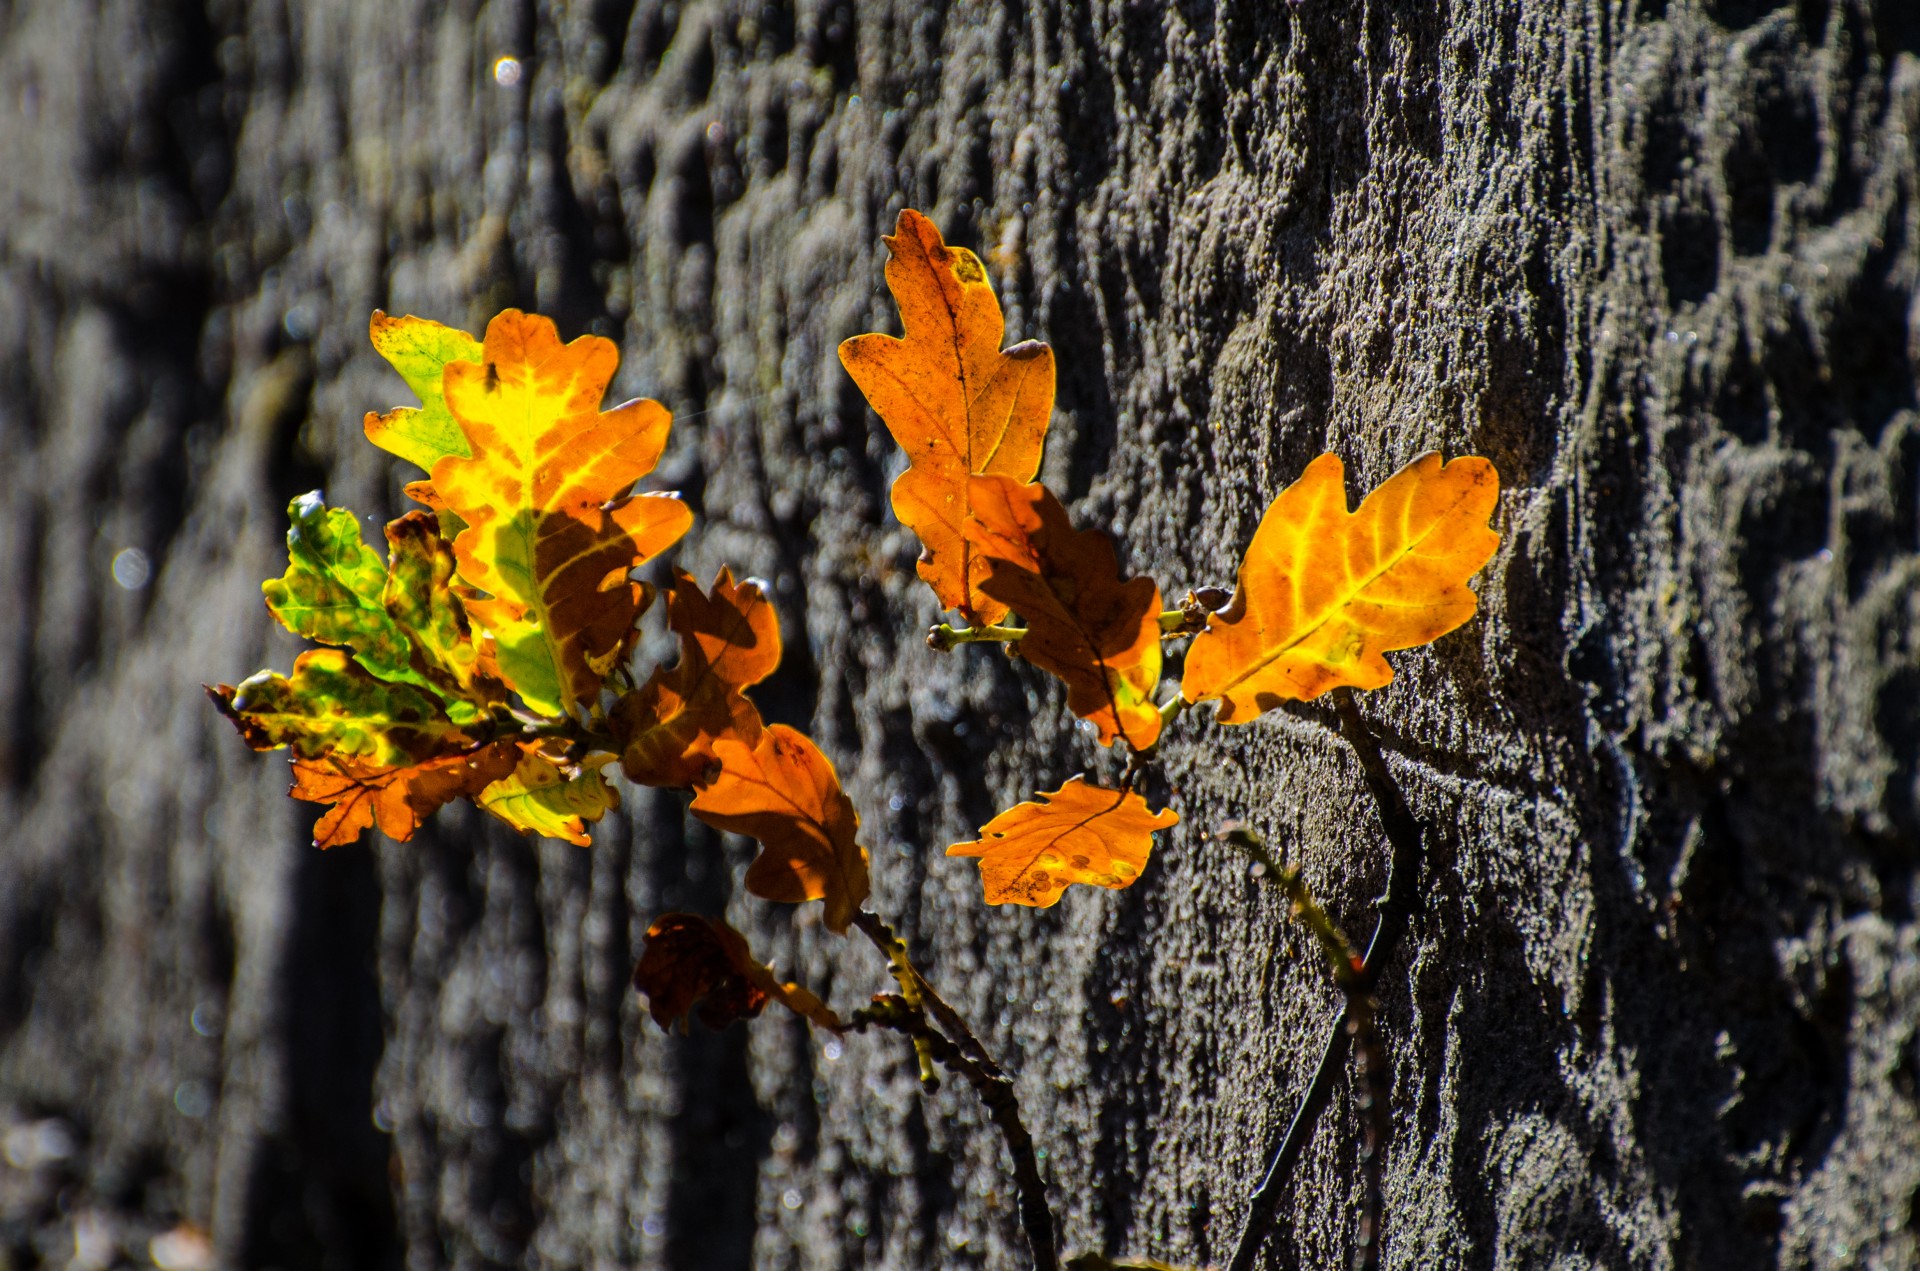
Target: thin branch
{"x": 1402, "y": 830}
{"x": 942, "y": 638}
{"x": 1343, "y": 960}
{"x": 920, "y": 992}
{"x": 1373, "y": 1098}
{"x": 1266, "y": 1197}
{"x": 995, "y": 1089}
{"x": 875, "y": 929}
{"x": 1396, "y": 907}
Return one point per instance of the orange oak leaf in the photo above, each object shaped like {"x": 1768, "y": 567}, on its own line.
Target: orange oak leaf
{"x": 956, "y": 402}
{"x": 361, "y": 795}
{"x": 551, "y": 530}
{"x": 1097, "y": 632}
{"x": 1323, "y": 592}
{"x": 783, "y": 791}
{"x": 701, "y": 966}
{"x": 729, "y": 638}
{"x": 1080, "y": 833}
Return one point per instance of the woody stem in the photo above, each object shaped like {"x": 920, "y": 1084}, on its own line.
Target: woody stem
{"x": 995, "y": 1089}
{"x": 1403, "y": 834}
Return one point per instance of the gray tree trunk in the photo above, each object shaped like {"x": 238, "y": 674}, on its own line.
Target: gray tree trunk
{"x": 1657, "y": 260}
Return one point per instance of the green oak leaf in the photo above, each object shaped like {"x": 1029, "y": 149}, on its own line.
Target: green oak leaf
{"x": 420, "y": 349}
{"x": 401, "y": 620}
{"x": 334, "y": 591}
{"x": 330, "y": 705}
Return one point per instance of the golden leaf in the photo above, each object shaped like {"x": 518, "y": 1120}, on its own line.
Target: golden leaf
{"x": 1080, "y": 833}
{"x": 360, "y": 795}
{"x": 552, "y": 531}
{"x": 1324, "y": 592}
{"x": 1098, "y": 632}
{"x": 729, "y": 638}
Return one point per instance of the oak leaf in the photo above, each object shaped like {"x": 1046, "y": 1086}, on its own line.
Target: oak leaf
{"x": 1080, "y": 833}
{"x": 399, "y": 617}
{"x": 729, "y": 639}
{"x": 397, "y": 799}
{"x": 420, "y": 597}
{"x": 552, "y": 797}
{"x": 331, "y": 705}
{"x": 551, "y": 530}
{"x": 1323, "y": 592}
{"x": 334, "y": 589}
{"x": 783, "y": 791}
{"x": 701, "y": 966}
{"x": 1098, "y": 632}
{"x": 420, "y": 350}
{"x": 956, "y": 402}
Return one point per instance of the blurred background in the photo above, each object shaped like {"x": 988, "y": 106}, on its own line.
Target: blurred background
{"x": 1658, "y": 260}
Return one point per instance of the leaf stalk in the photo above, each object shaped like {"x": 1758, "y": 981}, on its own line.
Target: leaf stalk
{"x": 943, "y": 638}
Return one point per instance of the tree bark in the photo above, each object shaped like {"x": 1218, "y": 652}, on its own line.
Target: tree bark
{"x": 1659, "y": 1005}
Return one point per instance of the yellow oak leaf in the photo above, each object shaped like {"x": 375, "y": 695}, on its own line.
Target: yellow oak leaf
{"x": 551, "y": 530}
{"x": 420, "y": 350}
{"x": 1323, "y": 592}
{"x": 956, "y": 402}
{"x": 551, "y": 797}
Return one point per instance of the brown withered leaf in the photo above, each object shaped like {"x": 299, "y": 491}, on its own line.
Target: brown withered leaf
{"x": 953, "y": 399}
{"x": 361, "y": 795}
{"x": 783, "y": 791}
{"x": 1323, "y": 592}
{"x": 1080, "y": 833}
{"x": 693, "y": 965}
{"x": 1097, "y": 632}
{"x": 729, "y": 639}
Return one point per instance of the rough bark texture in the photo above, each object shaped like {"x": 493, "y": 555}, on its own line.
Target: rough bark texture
{"x": 1658, "y": 260}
